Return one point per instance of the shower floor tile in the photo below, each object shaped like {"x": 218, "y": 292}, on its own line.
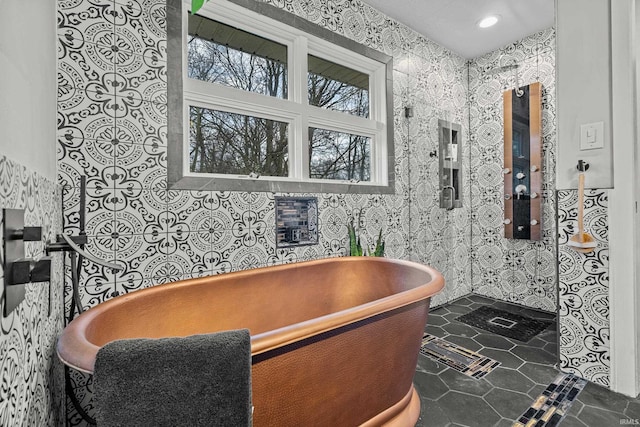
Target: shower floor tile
{"x": 505, "y": 323}
{"x": 450, "y": 398}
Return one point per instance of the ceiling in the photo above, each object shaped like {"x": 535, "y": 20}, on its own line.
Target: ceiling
{"x": 452, "y": 23}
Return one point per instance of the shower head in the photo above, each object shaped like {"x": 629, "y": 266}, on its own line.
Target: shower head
{"x": 502, "y": 68}
{"x": 499, "y": 70}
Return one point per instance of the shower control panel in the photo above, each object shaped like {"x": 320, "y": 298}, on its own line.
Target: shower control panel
{"x": 18, "y": 269}
{"x": 523, "y": 163}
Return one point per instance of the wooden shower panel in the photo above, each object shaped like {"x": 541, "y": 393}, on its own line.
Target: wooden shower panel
{"x": 508, "y": 164}
{"x": 535, "y": 134}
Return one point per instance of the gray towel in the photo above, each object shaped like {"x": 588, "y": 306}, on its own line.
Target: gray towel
{"x": 201, "y": 380}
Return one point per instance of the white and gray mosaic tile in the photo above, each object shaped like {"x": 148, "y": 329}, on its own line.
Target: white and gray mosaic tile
{"x": 526, "y": 282}
{"x": 584, "y": 289}
{"x": 32, "y": 378}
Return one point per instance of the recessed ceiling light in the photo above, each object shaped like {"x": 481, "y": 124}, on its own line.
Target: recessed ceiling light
{"x": 489, "y": 21}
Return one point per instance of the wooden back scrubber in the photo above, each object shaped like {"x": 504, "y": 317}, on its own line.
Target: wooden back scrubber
{"x": 581, "y": 242}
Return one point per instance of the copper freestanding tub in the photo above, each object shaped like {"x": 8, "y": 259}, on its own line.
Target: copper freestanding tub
{"x": 334, "y": 342}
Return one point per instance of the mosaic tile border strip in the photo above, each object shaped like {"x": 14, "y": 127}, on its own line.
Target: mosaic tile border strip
{"x": 459, "y": 358}
{"x": 507, "y": 324}
{"x": 296, "y": 221}
{"x": 553, "y": 404}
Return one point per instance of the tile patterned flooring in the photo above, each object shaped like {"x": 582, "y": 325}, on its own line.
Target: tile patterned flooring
{"x": 452, "y": 399}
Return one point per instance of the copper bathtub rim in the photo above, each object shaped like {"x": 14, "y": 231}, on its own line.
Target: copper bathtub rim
{"x": 77, "y": 352}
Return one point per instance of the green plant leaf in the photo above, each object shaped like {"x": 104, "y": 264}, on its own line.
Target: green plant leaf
{"x": 358, "y": 248}
{"x": 352, "y": 239}
{"x": 196, "y": 5}
{"x": 379, "y": 251}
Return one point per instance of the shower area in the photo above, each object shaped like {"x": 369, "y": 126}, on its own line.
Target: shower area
{"x": 452, "y": 131}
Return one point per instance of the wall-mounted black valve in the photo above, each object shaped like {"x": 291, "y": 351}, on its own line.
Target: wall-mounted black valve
{"x": 27, "y": 234}
{"x": 28, "y": 270}
{"x": 19, "y": 270}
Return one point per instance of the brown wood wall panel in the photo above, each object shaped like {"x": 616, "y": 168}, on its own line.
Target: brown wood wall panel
{"x": 508, "y": 163}
{"x": 535, "y": 131}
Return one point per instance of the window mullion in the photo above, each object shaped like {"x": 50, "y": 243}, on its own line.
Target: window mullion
{"x": 299, "y": 142}
{"x": 379, "y": 154}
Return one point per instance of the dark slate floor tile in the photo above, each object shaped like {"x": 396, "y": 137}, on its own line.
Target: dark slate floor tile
{"x": 436, "y": 330}
{"x": 536, "y": 342}
{"x": 600, "y": 397}
{"x": 464, "y": 301}
{"x": 428, "y": 365}
{"x": 468, "y": 410}
{"x": 532, "y": 354}
{"x": 504, "y": 423}
{"x": 460, "y": 309}
{"x": 479, "y": 299}
{"x": 461, "y": 382}
{"x": 436, "y": 320}
{"x": 524, "y": 311}
{"x": 539, "y": 373}
{"x": 429, "y": 386}
{"x": 599, "y": 417}
{"x": 550, "y": 333}
{"x": 432, "y": 415}
{"x": 576, "y": 407}
{"x": 460, "y": 329}
{"x": 572, "y": 421}
{"x": 477, "y": 305}
{"x": 451, "y": 316}
{"x": 506, "y": 358}
{"x": 508, "y": 404}
{"x": 442, "y": 310}
{"x": 510, "y": 379}
{"x": 633, "y": 409}
{"x": 487, "y": 339}
{"x": 467, "y": 343}
{"x": 551, "y": 348}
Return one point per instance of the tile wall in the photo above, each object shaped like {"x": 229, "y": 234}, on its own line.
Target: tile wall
{"x": 32, "y": 392}
{"x": 584, "y": 288}
{"x": 519, "y": 271}
{"x": 433, "y": 82}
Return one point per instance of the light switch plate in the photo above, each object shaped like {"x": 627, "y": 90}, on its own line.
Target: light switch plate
{"x": 592, "y": 136}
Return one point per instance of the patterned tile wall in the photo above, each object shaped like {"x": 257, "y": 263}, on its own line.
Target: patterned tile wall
{"x": 518, "y": 271}
{"x": 584, "y": 288}
{"x": 437, "y": 89}
{"x": 32, "y": 392}
{"x": 112, "y": 128}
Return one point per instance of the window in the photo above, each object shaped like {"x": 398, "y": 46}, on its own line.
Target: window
{"x": 337, "y": 155}
{"x": 218, "y": 53}
{"x": 228, "y": 143}
{"x": 337, "y": 87}
{"x": 269, "y": 107}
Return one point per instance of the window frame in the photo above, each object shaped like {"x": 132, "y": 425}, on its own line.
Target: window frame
{"x": 301, "y": 38}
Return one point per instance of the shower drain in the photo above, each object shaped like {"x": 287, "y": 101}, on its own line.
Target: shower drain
{"x": 502, "y": 322}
